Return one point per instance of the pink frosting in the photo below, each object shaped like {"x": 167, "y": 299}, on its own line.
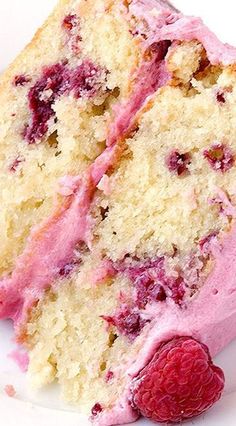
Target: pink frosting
{"x": 151, "y": 76}
{"x": 169, "y": 24}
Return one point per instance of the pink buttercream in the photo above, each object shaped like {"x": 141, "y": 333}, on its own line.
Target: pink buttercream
{"x": 165, "y": 23}
{"x": 151, "y": 76}
{"x": 68, "y": 185}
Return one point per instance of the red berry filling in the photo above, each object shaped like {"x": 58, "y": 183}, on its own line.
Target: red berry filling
{"x": 180, "y": 382}
{"x": 220, "y": 97}
{"x": 15, "y": 164}
{"x": 220, "y": 157}
{"x": 127, "y": 321}
{"x": 55, "y": 81}
{"x": 96, "y": 409}
{"x": 70, "y": 22}
{"x": 42, "y": 95}
{"x": 178, "y": 163}
{"x": 21, "y": 80}
{"x": 109, "y": 376}
{"x": 148, "y": 290}
{"x": 152, "y": 284}
{"x": 71, "y": 25}
{"x": 85, "y": 80}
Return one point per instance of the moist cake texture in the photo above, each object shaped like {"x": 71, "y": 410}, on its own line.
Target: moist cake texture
{"x": 118, "y": 200}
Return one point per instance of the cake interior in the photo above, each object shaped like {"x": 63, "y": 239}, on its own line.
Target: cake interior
{"x": 157, "y": 217}
{"x": 156, "y": 214}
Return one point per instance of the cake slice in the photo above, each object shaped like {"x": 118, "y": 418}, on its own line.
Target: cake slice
{"x": 118, "y": 206}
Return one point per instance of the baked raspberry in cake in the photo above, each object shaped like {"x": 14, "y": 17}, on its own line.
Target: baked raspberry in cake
{"x": 118, "y": 206}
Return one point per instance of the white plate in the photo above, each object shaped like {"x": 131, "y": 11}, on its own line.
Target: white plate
{"x": 18, "y": 21}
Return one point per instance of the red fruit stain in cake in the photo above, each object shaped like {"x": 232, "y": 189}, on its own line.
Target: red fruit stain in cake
{"x": 148, "y": 290}
{"x": 15, "y": 164}
{"x": 96, "y": 409}
{"x": 220, "y": 157}
{"x": 85, "y": 80}
{"x": 10, "y": 391}
{"x": 21, "y": 80}
{"x": 220, "y": 97}
{"x": 180, "y": 382}
{"x": 70, "y": 22}
{"x": 152, "y": 283}
{"x": 178, "y": 163}
{"x": 127, "y": 320}
{"x": 55, "y": 81}
{"x": 109, "y": 376}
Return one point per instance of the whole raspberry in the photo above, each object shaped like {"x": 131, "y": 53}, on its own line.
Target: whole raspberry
{"x": 180, "y": 382}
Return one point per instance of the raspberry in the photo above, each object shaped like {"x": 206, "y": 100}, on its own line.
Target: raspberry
{"x": 152, "y": 283}
{"x": 220, "y": 157}
{"x": 178, "y": 163}
{"x": 220, "y": 97}
{"x": 21, "y": 80}
{"x": 180, "y": 382}
{"x": 55, "y": 81}
{"x": 70, "y": 22}
{"x": 15, "y": 164}
{"x": 96, "y": 409}
{"x": 127, "y": 321}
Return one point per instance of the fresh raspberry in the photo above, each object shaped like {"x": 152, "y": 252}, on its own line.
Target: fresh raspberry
{"x": 180, "y": 382}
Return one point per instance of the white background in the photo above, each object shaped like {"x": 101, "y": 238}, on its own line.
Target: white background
{"x": 18, "y": 21}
